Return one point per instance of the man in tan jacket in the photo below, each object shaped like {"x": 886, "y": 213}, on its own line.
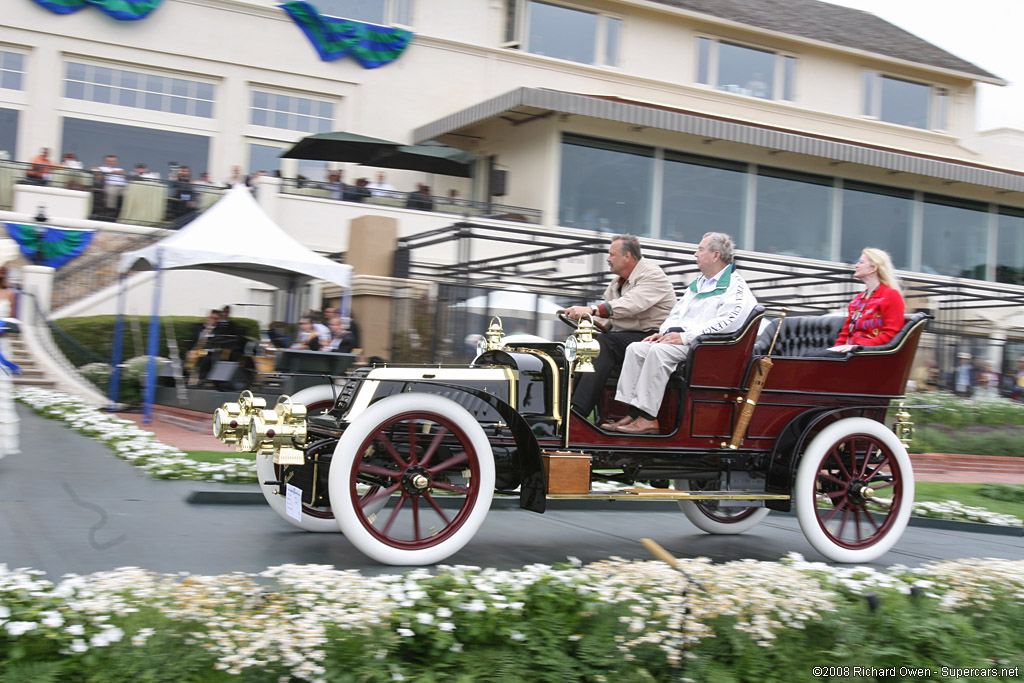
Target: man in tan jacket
{"x": 636, "y": 302}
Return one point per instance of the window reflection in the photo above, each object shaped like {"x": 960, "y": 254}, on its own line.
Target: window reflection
{"x": 264, "y": 158}
{"x": 955, "y": 235}
{"x": 904, "y": 102}
{"x": 562, "y": 32}
{"x": 371, "y": 11}
{"x": 606, "y": 186}
{"x": 794, "y": 214}
{"x": 1010, "y": 251}
{"x": 92, "y": 140}
{"x": 876, "y": 216}
{"x": 700, "y": 192}
{"x": 746, "y": 71}
{"x": 8, "y": 130}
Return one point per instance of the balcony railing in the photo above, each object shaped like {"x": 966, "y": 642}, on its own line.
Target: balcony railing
{"x": 409, "y": 200}
{"x": 136, "y": 200}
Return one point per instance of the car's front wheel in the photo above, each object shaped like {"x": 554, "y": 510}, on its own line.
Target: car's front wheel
{"x": 433, "y": 466}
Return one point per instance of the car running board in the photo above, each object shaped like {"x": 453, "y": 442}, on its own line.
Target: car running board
{"x": 668, "y": 494}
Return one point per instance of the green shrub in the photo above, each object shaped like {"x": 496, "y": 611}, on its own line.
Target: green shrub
{"x": 1012, "y": 494}
{"x": 96, "y": 333}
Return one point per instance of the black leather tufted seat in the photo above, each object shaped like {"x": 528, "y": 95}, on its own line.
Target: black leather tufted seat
{"x": 806, "y": 335}
{"x": 801, "y": 335}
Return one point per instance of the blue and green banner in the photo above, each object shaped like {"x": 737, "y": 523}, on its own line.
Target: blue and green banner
{"x": 334, "y": 38}
{"x": 123, "y": 10}
{"x": 49, "y": 246}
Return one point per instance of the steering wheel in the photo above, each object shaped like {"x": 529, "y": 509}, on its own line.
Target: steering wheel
{"x": 598, "y": 325}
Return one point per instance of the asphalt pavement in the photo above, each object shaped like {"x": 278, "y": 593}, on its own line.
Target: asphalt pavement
{"x": 69, "y": 505}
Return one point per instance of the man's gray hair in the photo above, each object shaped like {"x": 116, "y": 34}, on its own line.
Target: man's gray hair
{"x": 722, "y": 243}
{"x": 629, "y": 245}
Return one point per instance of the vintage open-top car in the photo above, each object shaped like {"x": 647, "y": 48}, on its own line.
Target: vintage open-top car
{"x": 405, "y": 460}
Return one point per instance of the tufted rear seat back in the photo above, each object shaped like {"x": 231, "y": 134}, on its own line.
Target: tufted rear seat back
{"x": 801, "y": 335}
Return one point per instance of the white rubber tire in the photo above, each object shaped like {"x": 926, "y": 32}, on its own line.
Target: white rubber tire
{"x": 805, "y": 490}
{"x": 350, "y": 448}
{"x": 709, "y": 525}
{"x": 316, "y": 398}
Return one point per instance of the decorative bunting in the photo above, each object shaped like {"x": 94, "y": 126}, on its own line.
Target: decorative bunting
{"x": 123, "y": 10}
{"x": 333, "y": 38}
{"x": 49, "y": 246}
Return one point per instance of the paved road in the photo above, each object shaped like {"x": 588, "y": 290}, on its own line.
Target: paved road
{"x": 67, "y": 505}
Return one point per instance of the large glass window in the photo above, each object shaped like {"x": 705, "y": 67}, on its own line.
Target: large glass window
{"x": 143, "y": 91}
{"x": 745, "y": 70}
{"x": 369, "y": 11}
{"x": 904, "y": 102}
{"x": 955, "y": 237}
{"x": 564, "y": 32}
{"x": 264, "y": 158}
{"x": 158, "y": 149}
{"x": 12, "y": 70}
{"x": 876, "y": 216}
{"x": 606, "y": 185}
{"x": 8, "y": 130}
{"x": 290, "y": 112}
{"x": 794, "y": 214}
{"x": 700, "y": 194}
{"x": 1010, "y": 249}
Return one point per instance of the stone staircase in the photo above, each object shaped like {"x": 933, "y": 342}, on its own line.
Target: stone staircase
{"x": 31, "y": 375}
{"x": 951, "y": 463}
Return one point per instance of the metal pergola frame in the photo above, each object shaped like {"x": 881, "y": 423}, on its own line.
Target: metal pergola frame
{"x": 530, "y": 257}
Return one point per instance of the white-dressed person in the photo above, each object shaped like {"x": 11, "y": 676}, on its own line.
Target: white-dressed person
{"x": 718, "y": 301}
{"x": 9, "y": 422}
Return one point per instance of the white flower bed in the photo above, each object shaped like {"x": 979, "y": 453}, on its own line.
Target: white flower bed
{"x": 245, "y": 625}
{"x": 131, "y": 442}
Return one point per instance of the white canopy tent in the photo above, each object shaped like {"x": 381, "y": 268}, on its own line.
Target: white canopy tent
{"x": 234, "y": 237}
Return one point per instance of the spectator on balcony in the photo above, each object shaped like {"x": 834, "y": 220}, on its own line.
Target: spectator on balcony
{"x": 205, "y": 181}
{"x": 420, "y": 199}
{"x": 41, "y": 169}
{"x": 70, "y": 161}
{"x": 111, "y": 178}
{"x": 237, "y": 178}
{"x": 142, "y": 172}
{"x": 382, "y": 188}
{"x": 336, "y": 186}
{"x": 183, "y": 194}
{"x": 358, "y": 192}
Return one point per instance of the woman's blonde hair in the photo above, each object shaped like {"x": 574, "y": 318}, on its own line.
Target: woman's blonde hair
{"x": 886, "y": 272}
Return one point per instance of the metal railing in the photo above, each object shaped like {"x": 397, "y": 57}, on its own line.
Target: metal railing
{"x": 42, "y": 328}
{"x": 410, "y": 200}
{"x": 95, "y": 273}
{"x": 140, "y": 201}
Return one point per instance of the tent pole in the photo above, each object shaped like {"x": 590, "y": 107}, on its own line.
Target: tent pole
{"x": 114, "y": 390}
{"x": 153, "y": 343}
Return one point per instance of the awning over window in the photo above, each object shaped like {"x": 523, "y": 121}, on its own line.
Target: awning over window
{"x": 532, "y": 102}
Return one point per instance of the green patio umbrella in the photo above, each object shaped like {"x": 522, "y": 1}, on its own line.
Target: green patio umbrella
{"x": 340, "y": 146}
{"x": 428, "y": 157}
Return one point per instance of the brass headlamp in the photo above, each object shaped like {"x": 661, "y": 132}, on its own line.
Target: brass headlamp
{"x": 582, "y": 347}
{"x": 276, "y": 432}
{"x": 231, "y": 420}
{"x": 903, "y": 427}
{"x": 493, "y": 339}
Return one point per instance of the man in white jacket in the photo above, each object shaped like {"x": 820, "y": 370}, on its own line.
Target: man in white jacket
{"x": 718, "y": 301}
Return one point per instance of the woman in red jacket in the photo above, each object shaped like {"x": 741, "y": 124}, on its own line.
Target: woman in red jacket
{"x": 876, "y": 314}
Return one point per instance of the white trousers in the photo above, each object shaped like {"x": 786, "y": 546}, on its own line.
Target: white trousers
{"x": 645, "y": 372}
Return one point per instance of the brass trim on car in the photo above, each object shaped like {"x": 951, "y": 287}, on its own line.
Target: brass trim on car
{"x": 556, "y": 407}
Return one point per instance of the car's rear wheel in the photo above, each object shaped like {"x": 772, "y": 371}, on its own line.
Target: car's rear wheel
{"x": 433, "y": 465}
{"x": 710, "y": 517}
{"x": 854, "y": 490}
